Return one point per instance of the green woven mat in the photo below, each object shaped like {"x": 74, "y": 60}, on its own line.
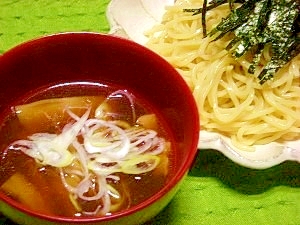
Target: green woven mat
{"x": 21, "y": 20}
{"x": 216, "y": 190}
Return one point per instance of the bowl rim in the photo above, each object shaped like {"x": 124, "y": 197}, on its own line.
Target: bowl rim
{"x": 173, "y": 181}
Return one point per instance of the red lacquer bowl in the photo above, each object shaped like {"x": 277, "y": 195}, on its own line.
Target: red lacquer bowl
{"x": 92, "y": 57}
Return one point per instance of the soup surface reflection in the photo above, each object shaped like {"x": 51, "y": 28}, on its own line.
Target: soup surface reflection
{"x": 93, "y": 149}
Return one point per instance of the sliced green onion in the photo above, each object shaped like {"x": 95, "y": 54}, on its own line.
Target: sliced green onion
{"x": 140, "y": 164}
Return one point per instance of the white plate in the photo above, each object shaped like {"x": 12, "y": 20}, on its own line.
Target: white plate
{"x": 129, "y": 19}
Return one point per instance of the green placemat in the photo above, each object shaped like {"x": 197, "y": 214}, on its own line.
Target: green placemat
{"x": 22, "y": 20}
{"x": 216, "y": 190}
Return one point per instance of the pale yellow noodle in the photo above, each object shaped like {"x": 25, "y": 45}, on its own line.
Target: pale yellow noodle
{"x": 230, "y": 101}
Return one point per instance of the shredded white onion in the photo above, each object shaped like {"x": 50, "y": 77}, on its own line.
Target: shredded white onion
{"x": 86, "y": 184}
{"x": 101, "y": 112}
{"x": 117, "y": 146}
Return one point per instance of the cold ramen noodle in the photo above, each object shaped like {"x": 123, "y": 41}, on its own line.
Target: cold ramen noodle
{"x": 230, "y": 100}
{"x": 85, "y": 155}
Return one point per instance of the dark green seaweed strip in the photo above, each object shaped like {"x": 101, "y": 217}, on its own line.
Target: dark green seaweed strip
{"x": 256, "y": 25}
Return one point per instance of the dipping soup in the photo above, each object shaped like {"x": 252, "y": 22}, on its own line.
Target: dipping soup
{"x": 83, "y": 149}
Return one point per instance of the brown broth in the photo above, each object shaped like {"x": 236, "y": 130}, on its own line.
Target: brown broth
{"x": 45, "y": 181}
